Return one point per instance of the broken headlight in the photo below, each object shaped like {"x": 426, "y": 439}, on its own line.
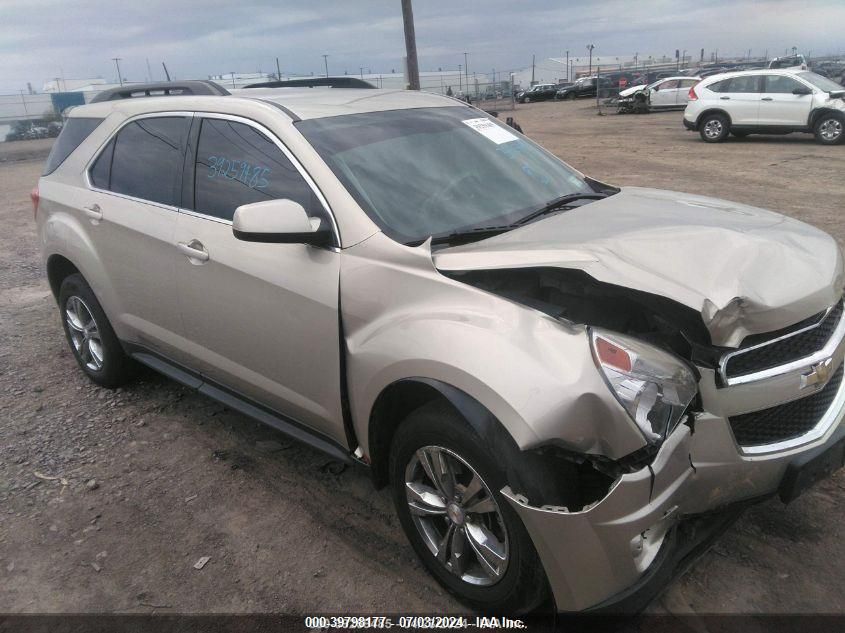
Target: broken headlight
{"x": 654, "y": 386}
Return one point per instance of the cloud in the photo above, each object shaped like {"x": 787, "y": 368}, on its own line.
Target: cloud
{"x": 40, "y": 39}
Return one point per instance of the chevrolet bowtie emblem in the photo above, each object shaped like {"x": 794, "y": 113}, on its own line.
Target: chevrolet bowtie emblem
{"x": 818, "y": 374}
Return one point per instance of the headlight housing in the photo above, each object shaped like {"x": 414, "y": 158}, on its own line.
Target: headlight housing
{"x": 653, "y": 386}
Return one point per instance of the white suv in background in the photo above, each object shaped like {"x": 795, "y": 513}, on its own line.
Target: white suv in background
{"x": 766, "y": 102}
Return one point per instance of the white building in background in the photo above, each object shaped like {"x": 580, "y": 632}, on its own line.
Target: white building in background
{"x": 75, "y": 85}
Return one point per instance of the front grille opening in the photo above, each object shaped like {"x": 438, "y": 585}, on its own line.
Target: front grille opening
{"x": 785, "y": 421}
{"x": 783, "y": 351}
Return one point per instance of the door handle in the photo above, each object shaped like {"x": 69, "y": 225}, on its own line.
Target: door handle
{"x": 93, "y": 212}
{"x": 725, "y": 98}
{"x": 193, "y": 250}
{"x": 766, "y": 99}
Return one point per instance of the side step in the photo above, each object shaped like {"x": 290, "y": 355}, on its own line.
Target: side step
{"x": 282, "y": 423}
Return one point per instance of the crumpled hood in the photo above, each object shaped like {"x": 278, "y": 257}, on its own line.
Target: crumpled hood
{"x": 629, "y": 91}
{"x": 744, "y": 269}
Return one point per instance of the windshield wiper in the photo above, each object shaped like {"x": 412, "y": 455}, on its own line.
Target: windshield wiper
{"x": 557, "y": 203}
{"x": 471, "y": 235}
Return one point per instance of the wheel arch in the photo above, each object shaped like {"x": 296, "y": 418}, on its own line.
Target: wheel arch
{"x": 710, "y": 111}
{"x": 818, "y": 112}
{"x": 59, "y": 268}
{"x": 400, "y": 398}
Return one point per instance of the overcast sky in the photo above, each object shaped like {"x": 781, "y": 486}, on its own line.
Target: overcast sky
{"x": 41, "y": 39}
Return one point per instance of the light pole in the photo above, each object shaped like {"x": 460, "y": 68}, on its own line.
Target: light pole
{"x": 460, "y": 78}
{"x": 466, "y": 70}
{"x": 362, "y": 72}
{"x": 117, "y": 64}
{"x": 326, "y": 62}
{"x": 590, "y": 48}
{"x": 567, "y": 66}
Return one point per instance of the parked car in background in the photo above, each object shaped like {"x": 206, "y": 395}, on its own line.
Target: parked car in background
{"x": 540, "y": 92}
{"x": 583, "y": 87}
{"x": 767, "y": 102}
{"x": 664, "y": 94}
{"x": 791, "y": 62}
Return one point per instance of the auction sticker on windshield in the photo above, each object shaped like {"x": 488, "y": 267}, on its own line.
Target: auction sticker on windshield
{"x": 489, "y": 129}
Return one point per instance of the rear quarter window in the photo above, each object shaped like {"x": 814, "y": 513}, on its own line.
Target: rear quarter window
{"x": 75, "y": 130}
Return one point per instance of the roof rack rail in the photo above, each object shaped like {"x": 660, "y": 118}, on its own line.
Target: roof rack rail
{"x": 331, "y": 82}
{"x": 162, "y": 89}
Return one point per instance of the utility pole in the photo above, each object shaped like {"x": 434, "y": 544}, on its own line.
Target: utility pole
{"x": 567, "y": 66}
{"x": 590, "y": 48}
{"x": 460, "y": 78}
{"x": 149, "y": 72}
{"x": 533, "y": 59}
{"x": 410, "y": 45}
{"x": 326, "y": 62}
{"x": 362, "y": 73}
{"x": 278, "y": 70}
{"x": 166, "y": 73}
{"x": 117, "y": 64}
{"x": 466, "y": 70}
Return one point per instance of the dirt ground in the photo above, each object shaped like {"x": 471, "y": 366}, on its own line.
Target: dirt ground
{"x": 107, "y": 499}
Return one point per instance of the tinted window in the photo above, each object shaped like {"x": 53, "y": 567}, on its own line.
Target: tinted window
{"x": 720, "y": 86}
{"x": 101, "y": 170}
{"x": 75, "y": 131}
{"x": 148, "y": 157}
{"x": 237, "y": 164}
{"x": 781, "y": 84}
{"x": 821, "y": 82}
{"x": 745, "y": 83}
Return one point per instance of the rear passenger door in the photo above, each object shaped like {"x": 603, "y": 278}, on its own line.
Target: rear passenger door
{"x": 741, "y": 98}
{"x": 261, "y": 319}
{"x": 780, "y": 106}
{"x": 134, "y": 194}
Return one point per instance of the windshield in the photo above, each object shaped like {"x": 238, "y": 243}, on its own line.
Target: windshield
{"x": 435, "y": 171}
{"x": 820, "y": 82}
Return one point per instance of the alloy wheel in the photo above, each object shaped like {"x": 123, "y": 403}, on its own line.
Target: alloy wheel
{"x": 84, "y": 333}
{"x": 831, "y": 129}
{"x": 456, "y": 515}
{"x": 713, "y": 128}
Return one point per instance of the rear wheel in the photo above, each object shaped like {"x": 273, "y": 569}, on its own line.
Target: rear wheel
{"x": 446, "y": 491}
{"x": 829, "y": 129}
{"x": 90, "y": 335}
{"x": 714, "y": 128}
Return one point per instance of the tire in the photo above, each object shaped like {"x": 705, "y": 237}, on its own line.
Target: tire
{"x": 526, "y": 100}
{"x": 518, "y": 584}
{"x": 714, "y": 128}
{"x": 90, "y": 335}
{"x": 829, "y": 129}
{"x": 739, "y": 134}
{"x": 570, "y": 96}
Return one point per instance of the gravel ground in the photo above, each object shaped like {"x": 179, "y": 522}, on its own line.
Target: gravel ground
{"x": 109, "y": 498}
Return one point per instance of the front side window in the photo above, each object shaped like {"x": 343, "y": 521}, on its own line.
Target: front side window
{"x": 781, "y": 84}
{"x": 146, "y": 160}
{"x": 432, "y": 171}
{"x": 236, "y": 164}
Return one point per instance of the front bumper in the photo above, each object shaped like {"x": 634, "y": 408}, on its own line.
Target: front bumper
{"x": 619, "y": 553}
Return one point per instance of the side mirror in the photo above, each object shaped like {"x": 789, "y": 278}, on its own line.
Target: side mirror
{"x": 279, "y": 222}
{"x": 802, "y": 91}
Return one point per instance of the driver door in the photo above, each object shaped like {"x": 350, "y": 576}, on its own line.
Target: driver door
{"x": 261, "y": 319}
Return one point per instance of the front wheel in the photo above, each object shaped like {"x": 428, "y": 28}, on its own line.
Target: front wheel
{"x": 446, "y": 491}
{"x": 829, "y": 129}
{"x": 714, "y": 128}
{"x": 526, "y": 100}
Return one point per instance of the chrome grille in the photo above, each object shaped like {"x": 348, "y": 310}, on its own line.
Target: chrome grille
{"x": 782, "y": 349}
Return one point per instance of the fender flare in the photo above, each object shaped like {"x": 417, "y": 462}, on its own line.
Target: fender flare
{"x": 712, "y": 111}
{"x": 817, "y": 112}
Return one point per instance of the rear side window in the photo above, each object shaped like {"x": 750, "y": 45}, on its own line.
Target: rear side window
{"x": 237, "y": 164}
{"x": 719, "y": 86}
{"x": 744, "y": 84}
{"x": 75, "y": 131}
{"x": 146, "y": 160}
